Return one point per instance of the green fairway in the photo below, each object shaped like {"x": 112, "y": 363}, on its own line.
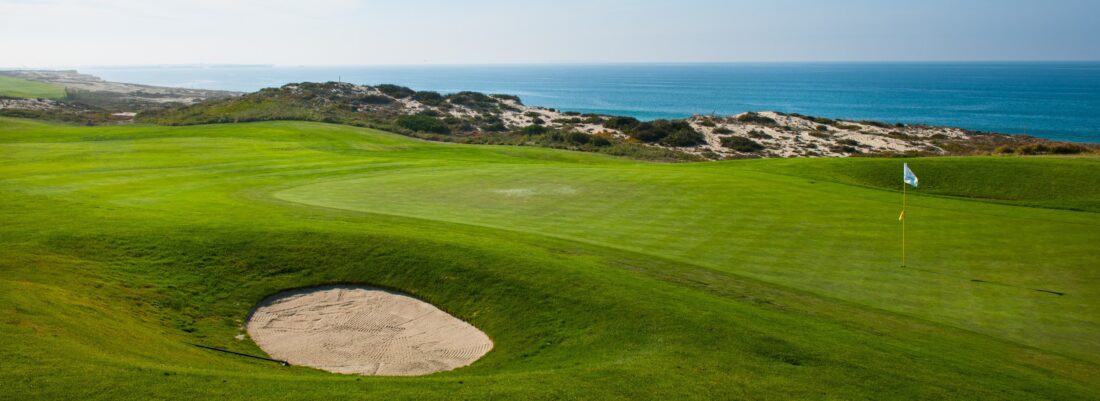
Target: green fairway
{"x": 596, "y": 277}
{"x": 15, "y": 87}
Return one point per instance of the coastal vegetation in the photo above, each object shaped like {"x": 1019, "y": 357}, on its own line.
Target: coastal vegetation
{"x": 477, "y": 118}
{"x": 756, "y": 118}
{"x": 423, "y": 123}
{"x": 471, "y": 117}
{"x": 742, "y": 144}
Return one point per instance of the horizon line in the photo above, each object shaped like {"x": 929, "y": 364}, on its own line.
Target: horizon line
{"x": 565, "y": 63}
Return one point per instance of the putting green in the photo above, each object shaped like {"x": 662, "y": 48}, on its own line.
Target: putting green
{"x": 979, "y": 266}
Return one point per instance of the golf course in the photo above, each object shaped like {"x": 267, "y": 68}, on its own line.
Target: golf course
{"x": 131, "y": 254}
{"x": 21, "y": 88}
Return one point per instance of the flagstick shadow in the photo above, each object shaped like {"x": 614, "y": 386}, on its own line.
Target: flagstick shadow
{"x": 979, "y": 281}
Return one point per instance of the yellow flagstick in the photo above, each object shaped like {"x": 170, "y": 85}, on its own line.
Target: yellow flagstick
{"x": 903, "y": 193}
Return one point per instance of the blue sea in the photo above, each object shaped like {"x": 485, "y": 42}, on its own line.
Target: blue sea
{"x": 1056, "y": 100}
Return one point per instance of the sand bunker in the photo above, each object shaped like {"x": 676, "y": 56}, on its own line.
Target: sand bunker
{"x": 364, "y": 330}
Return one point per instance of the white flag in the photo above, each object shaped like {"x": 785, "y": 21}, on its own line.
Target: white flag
{"x": 908, "y": 176}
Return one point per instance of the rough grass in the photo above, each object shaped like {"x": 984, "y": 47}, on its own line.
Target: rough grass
{"x": 1067, "y": 182}
{"x": 15, "y": 87}
{"x": 596, "y": 277}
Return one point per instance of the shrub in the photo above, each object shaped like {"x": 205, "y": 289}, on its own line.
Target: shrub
{"x": 513, "y": 98}
{"x": 621, "y": 123}
{"x": 421, "y": 123}
{"x": 822, "y": 128}
{"x": 1041, "y": 149}
{"x": 843, "y": 149}
{"x": 578, "y": 138}
{"x": 742, "y": 144}
{"x": 600, "y": 141}
{"x": 899, "y": 135}
{"x": 428, "y": 97}
{"x": 1033, "y": 149}
{"x": 754, "y": 118}
{"x": 533, "y": 130}
{"x": 657, "y": 130}
{"x": 639, "y": 151}
{"x": 722, "y": 131}
{"x": 571, "y": 113}
{"x": 373, "y": 99}
{"x": 494, "y": 126}
{"x": 758, "y": 134}
{"x": 1068, "y": 149}
{"x": 875, "y": 124}
{"x": 396, "y": 91}
{"x": 707, "y": 123}
{"x": 848, "y": 142}
{"x": 683, "y": 137}
{"x": 471, "y": 99}
{"x": 465, "y": 126}
{"x": 819, "y": 120}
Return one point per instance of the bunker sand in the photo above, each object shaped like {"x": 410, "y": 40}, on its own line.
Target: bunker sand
{"x": 364, "y": 330}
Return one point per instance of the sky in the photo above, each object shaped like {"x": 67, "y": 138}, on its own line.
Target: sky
{"x": 59, "y": 33}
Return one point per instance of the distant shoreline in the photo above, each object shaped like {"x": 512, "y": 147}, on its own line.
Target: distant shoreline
{"x": 1054, "y": 100}
{"x": 764, "y": 133}
{"x": 546, "y": 64}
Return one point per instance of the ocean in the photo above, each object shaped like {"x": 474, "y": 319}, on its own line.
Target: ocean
{"x": 1055, "y": 100}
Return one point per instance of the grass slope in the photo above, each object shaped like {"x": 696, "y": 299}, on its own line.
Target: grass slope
{"x": 596, "y": 277}
{"x": 15, "y": 87}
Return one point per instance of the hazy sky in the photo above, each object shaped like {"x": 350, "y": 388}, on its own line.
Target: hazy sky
{"x": 333, "y": 32}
